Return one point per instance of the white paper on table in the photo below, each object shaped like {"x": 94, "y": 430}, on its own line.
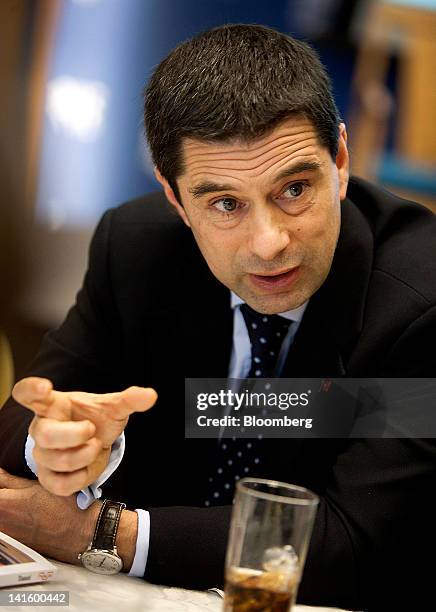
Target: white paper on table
{"x": 21, "y": 565}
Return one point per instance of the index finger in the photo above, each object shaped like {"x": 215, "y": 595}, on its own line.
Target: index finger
{"x": 37, "y": 395}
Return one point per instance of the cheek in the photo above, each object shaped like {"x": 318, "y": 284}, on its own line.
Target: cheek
{"x": 328, "y": 238}
{"x": 318, "y": 233}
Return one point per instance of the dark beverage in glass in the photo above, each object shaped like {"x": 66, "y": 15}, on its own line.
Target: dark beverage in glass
{"x": 253, "y": 590}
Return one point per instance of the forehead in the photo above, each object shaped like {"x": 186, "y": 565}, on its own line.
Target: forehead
{"x": 295, "y": 139}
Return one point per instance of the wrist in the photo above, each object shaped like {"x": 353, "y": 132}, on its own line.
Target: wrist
{"x": 126, "y": 538}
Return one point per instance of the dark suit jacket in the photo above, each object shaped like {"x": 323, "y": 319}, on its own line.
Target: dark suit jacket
{"x": 151, "y": 313}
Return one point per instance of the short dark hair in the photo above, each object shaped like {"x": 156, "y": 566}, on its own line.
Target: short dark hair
{"x": 236, "y": 81}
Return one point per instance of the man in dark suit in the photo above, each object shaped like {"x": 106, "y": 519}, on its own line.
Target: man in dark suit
{"x": 259, "y": 211}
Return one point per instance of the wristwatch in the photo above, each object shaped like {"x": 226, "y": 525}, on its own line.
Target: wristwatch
{"x": 101, "y": 556}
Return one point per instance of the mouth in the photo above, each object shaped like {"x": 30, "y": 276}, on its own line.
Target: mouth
{"x": 275, "y": 280}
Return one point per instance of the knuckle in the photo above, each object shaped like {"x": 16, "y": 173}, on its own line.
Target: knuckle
{"x": 127, "y": 394}
{"x": 43, "y": 409}
{"x": 45, "y": 437}
{"x": 64, "y": 462}
{"x": 85, "y": 429}
{"x": 89, "y": 427}
{"x": 60, "y": 485}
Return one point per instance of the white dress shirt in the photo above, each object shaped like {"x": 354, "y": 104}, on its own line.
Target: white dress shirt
{"x": 239, "y": 367}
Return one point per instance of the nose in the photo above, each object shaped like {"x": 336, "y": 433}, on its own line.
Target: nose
{"x": 268, "y": 234}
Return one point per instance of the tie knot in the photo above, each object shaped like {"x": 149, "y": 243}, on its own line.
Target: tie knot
{"x": 266, "y": 333}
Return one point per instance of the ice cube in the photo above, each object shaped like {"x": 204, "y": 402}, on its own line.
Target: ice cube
{"x": 280, "y": 558}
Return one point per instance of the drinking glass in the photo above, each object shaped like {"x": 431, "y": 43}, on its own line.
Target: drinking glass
{"x": 269, "y": 535}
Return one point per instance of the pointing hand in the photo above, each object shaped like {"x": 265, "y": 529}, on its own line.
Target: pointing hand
{"x": 74, "y": 430}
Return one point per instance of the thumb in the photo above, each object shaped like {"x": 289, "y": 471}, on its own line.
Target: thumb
{"x": 9, "y": 481}
{"x": 122, "y": 404}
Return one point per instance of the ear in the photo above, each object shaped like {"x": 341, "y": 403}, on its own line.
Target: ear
{"x": 343, "y": 162}
{"x": 171, "y": 196}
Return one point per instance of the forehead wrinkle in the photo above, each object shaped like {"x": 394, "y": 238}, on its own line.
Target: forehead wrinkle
{"x": 220, "y": 175}
{"x": 289, "y": 131}
{"x": 258, "y": 151}
{"x": 219, "y": 156}
{"x": 285, "y": 161}
{"x": 271, "y": 153}
{"x": 284, "y": 154}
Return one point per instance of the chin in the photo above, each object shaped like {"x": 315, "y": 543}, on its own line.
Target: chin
{"x": 274, "y": 304}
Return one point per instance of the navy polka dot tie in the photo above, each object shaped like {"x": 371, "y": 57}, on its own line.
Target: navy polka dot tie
{"x": 266, "y": 336}
{"x": 237, "y": 458}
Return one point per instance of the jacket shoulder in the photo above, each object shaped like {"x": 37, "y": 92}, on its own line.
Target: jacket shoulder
{"x": 404, "y": 234}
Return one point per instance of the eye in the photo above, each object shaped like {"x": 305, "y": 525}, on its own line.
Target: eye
{"x": 295, "y": 190}
{"x": 225, "y": 205}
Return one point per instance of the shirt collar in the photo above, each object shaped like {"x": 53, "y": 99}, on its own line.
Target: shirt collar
{"x": 296, "y": 314}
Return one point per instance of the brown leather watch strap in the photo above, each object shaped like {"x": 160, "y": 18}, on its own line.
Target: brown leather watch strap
{"x": 107, "y": 525}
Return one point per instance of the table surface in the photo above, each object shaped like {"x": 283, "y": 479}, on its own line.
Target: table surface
{"x": 94, "y": 592}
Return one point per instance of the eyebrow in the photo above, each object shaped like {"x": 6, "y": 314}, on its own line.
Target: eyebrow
{"x": 304, "y": 166}
{"x": 210, "y": 187}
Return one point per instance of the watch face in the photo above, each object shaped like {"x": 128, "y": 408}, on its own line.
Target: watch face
{"x": 102, "y": 562}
